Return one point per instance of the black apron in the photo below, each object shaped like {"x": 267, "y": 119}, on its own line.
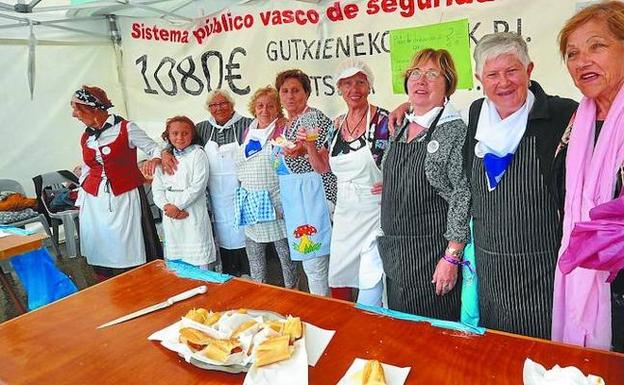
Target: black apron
{"x": 414, "y": 220}
{"x": 517, "y": 236}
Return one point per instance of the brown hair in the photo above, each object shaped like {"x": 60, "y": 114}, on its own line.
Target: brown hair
{"x": 611, "y": 12}
{"x": 442, "y": 58}
{"x": 297, "y": 75}
{"x": 265, "y": 91}
{"x": 181, "y": 119}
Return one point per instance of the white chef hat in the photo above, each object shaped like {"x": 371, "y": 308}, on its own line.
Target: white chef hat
{"x": 350, "y": 67}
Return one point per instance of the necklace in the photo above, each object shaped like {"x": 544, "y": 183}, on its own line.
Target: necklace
{"x": 350, "y": 132}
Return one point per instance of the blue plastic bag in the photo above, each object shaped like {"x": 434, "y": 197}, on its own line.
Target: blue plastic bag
{"x": 470, "y": 292}
{"x": 43, "y": 281}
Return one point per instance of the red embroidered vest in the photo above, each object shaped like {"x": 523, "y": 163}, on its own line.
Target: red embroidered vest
{"x": 120, "y": 164}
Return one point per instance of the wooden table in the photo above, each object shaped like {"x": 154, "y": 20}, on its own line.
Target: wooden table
{"x": 59, "y": 344}
{"x": 11, "y": 246}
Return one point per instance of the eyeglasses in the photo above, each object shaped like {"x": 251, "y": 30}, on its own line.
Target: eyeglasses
{"x": 430, "y": 75}
{"x": 214, "y": 106}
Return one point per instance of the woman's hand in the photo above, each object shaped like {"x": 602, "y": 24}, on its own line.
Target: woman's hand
{"x": 296, "y": 151}
{"x": 395, "y": 119}
{"x": 377, "y": 188}
{"x": 308, "y": 136}
{"x": 173, "y": 212}
{"x": 149, "y": 167}
{"x": 444, "y": 277}
{"x": 169, "y": 162}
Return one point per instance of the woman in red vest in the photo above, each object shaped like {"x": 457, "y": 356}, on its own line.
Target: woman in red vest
{"x": 116, "y": 226}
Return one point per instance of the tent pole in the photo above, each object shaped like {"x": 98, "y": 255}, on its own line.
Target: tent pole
{"x": 116, "y": 38}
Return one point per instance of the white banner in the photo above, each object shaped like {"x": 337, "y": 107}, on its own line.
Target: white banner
{"x": 170, "y": 68}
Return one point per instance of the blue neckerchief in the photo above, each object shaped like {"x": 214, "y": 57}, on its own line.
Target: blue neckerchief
{"x": 183, "y": 151}
{"x": 252, "y": 147}
{"x": 495, "y": 167}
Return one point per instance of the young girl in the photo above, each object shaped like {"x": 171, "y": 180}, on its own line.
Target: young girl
{"x": 182, "y": 197}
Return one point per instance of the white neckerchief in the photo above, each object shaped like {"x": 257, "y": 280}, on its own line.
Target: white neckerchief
{"x": 260, "y": 134}
{"x": 501, "y": 136}
{"x": 235, "y": 118}
{"x": 425, "y": 120}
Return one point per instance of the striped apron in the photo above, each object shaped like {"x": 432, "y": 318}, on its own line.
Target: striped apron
{"x": 517, "y": 235}
{"x": 413, "y": 219}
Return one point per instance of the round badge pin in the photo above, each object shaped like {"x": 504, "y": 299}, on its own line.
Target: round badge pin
{"x": 106, "y": 150}
{"x": 433, "y": 146}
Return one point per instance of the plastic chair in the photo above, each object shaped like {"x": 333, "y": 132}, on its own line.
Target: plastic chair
{"x": 68, "y": 218}
{"x": 13, "y": 185}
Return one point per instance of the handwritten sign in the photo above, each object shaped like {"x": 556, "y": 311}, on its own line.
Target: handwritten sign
{"x": 452, "y": 36}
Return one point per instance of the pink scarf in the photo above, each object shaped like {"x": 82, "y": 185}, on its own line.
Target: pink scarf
{"x": 582, "y": 299}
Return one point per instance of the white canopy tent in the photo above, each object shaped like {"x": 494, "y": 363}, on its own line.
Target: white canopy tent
{"x": 49, "y": 48}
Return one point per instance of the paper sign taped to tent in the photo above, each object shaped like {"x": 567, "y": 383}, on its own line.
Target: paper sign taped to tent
{"x": 452, "y": 36}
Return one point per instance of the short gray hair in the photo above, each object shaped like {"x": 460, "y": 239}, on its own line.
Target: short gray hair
{"x": 495, "y": 44}
{"x": 219, "y": 91}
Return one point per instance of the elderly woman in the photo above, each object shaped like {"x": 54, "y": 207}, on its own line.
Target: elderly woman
{"x": 512, "y": 136}
{"x": 258, "y": 204}
{"x": 587, "y": 310}
{"x": 307, "y": 188}
{"x": 116, "y": 226}
{"x": 425, "y": 200}
{"x": 221, "y": 136}
{"x": 356, "y": 149}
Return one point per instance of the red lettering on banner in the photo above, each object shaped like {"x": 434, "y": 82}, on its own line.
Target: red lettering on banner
{"x": 142, "y": 32}
{"x": 289, "y": 16}
{"x": 335, "y": 13}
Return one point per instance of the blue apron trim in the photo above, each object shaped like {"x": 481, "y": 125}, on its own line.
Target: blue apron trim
{"x": 306, "y": 215}
{"x": 279, "y": 164}
{"x": 458, "y": 326}
{"x": 253, "y": 207}
{"x": 186, "y": 270}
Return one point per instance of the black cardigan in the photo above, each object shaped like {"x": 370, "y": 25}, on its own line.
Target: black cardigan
{"x": 547, "y": 121}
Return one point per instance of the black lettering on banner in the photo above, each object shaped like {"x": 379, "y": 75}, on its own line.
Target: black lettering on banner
{"x": 271, "y": 52}
{"x": 358, "y": 42}
{"x": 186, "y": 75}
{"x": 230, "y": 77}
{"x": 148, "y": 89}
{"x": 385, "y": 41}
{"x": 474, "y": 29}
{"x": 329, "y": 84}
{"x": 307, "y": 49}
{"x": 174, "y": 87}
{"x": 204, "y": 63}
{"x": 315, "y": 85}
{"x": 502, "y": 23}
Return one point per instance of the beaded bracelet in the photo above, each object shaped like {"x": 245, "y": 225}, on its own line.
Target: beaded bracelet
{"x": 457, "y": 262}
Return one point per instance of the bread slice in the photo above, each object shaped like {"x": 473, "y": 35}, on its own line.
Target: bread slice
{"x": 212, "y": 318}
{"x": 244, "y": 326}
{"x": 373, "y": 374}
{"x": 293, "y": 328}
{"x": 273, "y": 350}
{"x": 197, "y": 315}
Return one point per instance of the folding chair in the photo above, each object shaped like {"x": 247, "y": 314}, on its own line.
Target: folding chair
{"x": 15, "y": 186}
{"x": 68, "y": 218}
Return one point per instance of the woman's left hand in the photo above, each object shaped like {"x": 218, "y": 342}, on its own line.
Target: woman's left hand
{"x": 444, "y": 277}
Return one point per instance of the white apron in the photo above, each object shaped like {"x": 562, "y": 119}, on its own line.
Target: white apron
{"x": 354, "y": 261}
{"x": 222, "y": 185}
{"x": 110, "y": 228}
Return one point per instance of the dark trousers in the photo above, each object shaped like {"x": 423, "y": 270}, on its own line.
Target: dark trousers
{"x": 234, "y": 261}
